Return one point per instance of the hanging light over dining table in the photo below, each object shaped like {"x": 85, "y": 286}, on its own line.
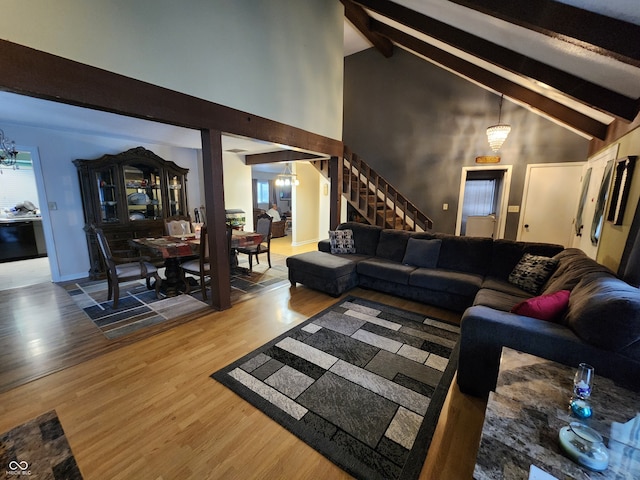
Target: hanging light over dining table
{"x": 287, "y": 178}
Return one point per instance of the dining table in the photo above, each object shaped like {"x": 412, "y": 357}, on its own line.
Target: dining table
{"x": 174, "y": 250}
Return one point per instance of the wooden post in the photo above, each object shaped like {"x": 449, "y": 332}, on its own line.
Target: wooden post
{"x": 335, "y": 176}
{"x": 216, "y": 219}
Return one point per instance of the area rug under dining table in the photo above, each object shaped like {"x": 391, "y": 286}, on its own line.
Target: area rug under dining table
{"x": 139, "y": 308}
{"x": 361, "y": 382}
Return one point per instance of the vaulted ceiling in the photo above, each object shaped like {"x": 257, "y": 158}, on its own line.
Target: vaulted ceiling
{"x": 576, "y": 62}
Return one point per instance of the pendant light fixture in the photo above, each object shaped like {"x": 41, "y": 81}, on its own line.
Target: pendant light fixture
{"x": 287, "y": 178}
{"x": 497, "y": 134}
{"x": 8, "y": 152}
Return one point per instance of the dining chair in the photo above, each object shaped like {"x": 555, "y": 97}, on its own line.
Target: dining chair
{"x": 122, "y": 269}
{"x": 178, "y": 225}
{"x": 263, "y": 227}
{"x": 200, "y": 266}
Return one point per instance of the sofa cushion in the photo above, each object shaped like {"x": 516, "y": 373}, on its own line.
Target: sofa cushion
{"x": 365, "y": 237}
{"x": 532, "y": 271}
{"x": 504, "y": 286}
{"x": 549, "y": 307}
{"x": 342, "y": 241}
{"x": 392, "y": 244}
{"x": 422, "y": 252}
{"x": 506, "y": 254}
{"x": 499, "y": 300}
{"x": 321, "y": 264}
{"x": 439, "y": 280}
{"x": 465, "y": 254}
{"x": 386, "y": 270}
{"x": 605, "y": 311}
{"x": 573, "y": 264}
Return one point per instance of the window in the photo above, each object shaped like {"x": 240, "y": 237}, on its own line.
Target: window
{"x": 263, "y": 191}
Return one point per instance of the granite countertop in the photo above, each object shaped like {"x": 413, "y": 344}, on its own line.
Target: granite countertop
{"x": 528, "y": 409}
{"x": 18, "y": 219}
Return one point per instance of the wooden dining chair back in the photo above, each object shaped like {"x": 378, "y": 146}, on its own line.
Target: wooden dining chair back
{"x": 263, "y": 227}
{"x": 200, "y": 267}
{"x": 178, "y": 225}
{"x": 122, "y": 269}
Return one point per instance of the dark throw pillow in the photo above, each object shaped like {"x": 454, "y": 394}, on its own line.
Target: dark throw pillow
{"x": 341, "y": 241}
{"x": 422, "y": 253}
{"x": 532, "y": 271}
{"x": 549, "y": 307}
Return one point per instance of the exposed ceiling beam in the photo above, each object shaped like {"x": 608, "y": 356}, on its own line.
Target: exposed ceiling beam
{"x": 575, "y": 87}
{"x": 279, "y": 156}
{"x": 42, "y": 75}
{"x": 597, "y": 33}
{"x": 562, "y": 113}
{"x": 359, "y": 18}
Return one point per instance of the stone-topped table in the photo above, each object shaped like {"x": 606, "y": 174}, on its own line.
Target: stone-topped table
{"x": 531, "y": 405}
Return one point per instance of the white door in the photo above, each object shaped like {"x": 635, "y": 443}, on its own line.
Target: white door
{"x": 549, "y": 202}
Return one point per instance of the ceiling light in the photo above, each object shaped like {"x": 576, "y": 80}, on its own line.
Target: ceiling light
{"x": 287, "y": 178}
{"x": 497, "y": 134}
{"x": 8, "y": 152}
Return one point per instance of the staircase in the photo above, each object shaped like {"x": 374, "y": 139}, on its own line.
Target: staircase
{"x": 374, "y": 198}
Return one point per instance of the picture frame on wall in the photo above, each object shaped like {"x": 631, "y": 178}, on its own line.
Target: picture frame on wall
{"x": 620, "y": 192}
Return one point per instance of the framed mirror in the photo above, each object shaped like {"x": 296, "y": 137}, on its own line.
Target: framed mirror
{"x": 598, "y": 214}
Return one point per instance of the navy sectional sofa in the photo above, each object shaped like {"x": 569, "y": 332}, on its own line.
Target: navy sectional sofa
{"x": 601, "y": 325}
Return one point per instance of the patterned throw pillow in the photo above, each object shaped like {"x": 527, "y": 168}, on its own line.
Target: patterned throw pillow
{"x": 341, "y": 241}
{"x": 532, "y": 271}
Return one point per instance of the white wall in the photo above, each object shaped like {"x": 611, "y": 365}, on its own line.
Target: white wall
{"x": 16, "y": 186}
{"x": 306, "y": 204}
{"x": 280, "y": 59}
{"x": 237, "y": 186}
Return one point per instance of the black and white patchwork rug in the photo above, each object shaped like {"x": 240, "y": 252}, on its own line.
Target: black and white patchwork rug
{"x": 38, "y": 449}
{"x": 361, "y": 382}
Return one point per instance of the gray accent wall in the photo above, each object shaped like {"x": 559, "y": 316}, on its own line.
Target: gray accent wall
{"x": 417, "y": 125}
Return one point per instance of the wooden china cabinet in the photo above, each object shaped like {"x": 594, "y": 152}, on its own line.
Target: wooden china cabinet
{"x": 129, "y": 195}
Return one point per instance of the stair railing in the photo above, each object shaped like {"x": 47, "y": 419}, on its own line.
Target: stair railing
{"x": 377, "y": 200}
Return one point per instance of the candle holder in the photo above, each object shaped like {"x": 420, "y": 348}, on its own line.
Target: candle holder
{"x": 582, "y": 387}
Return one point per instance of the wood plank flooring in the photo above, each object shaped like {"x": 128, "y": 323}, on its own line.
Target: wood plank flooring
{"x": 148, "y": 408}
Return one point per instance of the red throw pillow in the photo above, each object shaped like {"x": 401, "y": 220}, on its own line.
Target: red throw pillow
{"x": 545, "y": 307}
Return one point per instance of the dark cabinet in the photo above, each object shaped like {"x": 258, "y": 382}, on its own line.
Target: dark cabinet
{"x": 129, "y": 195}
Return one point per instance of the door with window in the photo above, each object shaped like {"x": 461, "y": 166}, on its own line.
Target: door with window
{"x": 484, "y": 193}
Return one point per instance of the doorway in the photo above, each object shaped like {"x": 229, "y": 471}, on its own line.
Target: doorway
{"x": 484, "y": 196}
{"x": 23, "y": 202}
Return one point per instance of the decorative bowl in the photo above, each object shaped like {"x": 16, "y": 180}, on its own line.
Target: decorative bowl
{"x": 138, "y": 199}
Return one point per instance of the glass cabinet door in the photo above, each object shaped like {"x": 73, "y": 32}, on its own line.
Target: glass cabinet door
{"x": 176, "y": 195}
{"x": 143, "y": 189}
{"x": 108, "y": 195}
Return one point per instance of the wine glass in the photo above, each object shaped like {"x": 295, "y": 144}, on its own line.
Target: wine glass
{"x": 582, "y": 386}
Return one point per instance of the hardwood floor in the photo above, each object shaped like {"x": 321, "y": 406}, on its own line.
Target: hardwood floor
{"x": 148, "y": 408}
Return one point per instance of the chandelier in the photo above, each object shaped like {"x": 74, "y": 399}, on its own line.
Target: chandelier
{"x": 287, "y": 178}
{"x": 497, "y": 134}
{"x": 8, "y": 152}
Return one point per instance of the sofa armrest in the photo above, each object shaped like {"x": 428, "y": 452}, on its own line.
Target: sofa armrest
{"x": 324, "y": 245}
{"x": 484, "y": 331}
